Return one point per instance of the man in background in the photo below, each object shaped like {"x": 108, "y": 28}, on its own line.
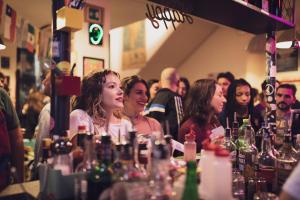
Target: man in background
{"x": 166, "y": 107}
{"x": 285, "y": 95}
{"x": 11, "y": 143}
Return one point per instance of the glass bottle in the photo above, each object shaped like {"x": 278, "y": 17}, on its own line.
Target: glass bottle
{"x": 235, "y": 128}
{"x": 241, "y": 134}
{"x": 259, "y": 136}
{"x": 62, "y": 160}
{"x": 89, "y": 157}
{"x": 285, "y": 161}
{"x": 230, "y": 146}
{"x": 267, "y": 162}
{"x": 78, "y": 151}
{"x": 100, "y": 177}
{"x": 88, "y": 163}
{"x": 190, "y": 191}
{"x": 190, "y": 146}
{"x": 247, "y": 153}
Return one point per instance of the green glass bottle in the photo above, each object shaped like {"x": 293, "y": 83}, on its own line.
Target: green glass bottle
{"x": 191, "y": 188}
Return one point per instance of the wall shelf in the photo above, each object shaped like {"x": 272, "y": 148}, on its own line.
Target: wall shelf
{"x": 237, "y": 14}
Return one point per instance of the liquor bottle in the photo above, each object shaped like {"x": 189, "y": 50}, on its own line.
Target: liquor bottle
{"x": 241, "y": 134}
{"x": 230, "y": 146}
{"x": 256, "y": 184}
{"x": 235, "y": 128}
{"x": 100, "y": 177}
{"x": 117, "y": 166}
{"x": 62, "y": 161}
{"x": 190, "y": 191}
{"x": 275, "y": 7}
{"x": 267, "y": 162}
{"x": 190, "y": 146}
{"x": 297, "y": 146}
{"x": 259, "y": 136}
{"x": 78, "y": 151}
{"x": 285, "y": 161}
{"x": 88, "y": 163}
{"x": 89, "y": 157}
{"x": 247, "y": 153}
{"x": 160, "y": 183}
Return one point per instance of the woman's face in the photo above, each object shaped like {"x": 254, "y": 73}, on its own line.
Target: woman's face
{"x": 112, "y": 97}
{"x": 153, "y": 90}
{"x": 242, "y": 95}
{"x": 137, "y": 98}
{"x": 182, "y": 89}
{"x": 218, "y": 99}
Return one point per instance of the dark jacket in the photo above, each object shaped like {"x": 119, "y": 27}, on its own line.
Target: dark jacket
{"x": 166, "y": 106}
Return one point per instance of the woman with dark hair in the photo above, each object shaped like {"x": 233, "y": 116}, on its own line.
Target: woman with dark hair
{"x": 204, "y": 102}
{"x": 183, "y": 87}
{"x": 136, "y": 94}
{"x": 153, "y": 85}
{"x": 99, "y": 104}
{"x": 240, "y": 101}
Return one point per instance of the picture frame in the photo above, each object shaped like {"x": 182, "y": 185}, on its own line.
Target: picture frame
{"x": 287, "y": 60}
{"x": 94, "y": 14}
{"x": 91, "y": 65}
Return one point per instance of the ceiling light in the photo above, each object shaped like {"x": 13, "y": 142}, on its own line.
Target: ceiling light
{"x": 2, "y": 45}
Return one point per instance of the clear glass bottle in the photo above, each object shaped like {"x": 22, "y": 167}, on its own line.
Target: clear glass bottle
{"x": 285, "y": 161}
{"x": 230, "y": 146}
{"x": 267, "y": 162}
{"x": 190, "y": 147}
{"x": 190, "y": 191}
{"x": 100, "y": 177}
{"x": 259, "y": 136}
{"x": 247, "y": 153}
{"x": 62, "y": 160}
{"x": 235, "y": 128}
{"x": 78, "y": 151}
{"x": 240, "y": 142}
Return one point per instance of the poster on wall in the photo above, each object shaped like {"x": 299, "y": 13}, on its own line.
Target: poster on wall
{"x": 287, "y": 60}
{"x": 91, "y": 65}
{"x": 134, "y": 52}
{"x": 94, "y": 14}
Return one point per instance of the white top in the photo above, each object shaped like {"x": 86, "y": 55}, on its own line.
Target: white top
{"x": 79, "y": 117}
{"x": 292, "y": 185}
{"x": 42, "y": 131}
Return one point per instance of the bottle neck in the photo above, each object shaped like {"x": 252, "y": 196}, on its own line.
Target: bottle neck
{"x": 266, "y": 143}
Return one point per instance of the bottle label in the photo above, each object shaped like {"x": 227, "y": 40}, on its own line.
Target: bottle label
{"x": 246, "y": 161}
{"x": 284, "y": 169}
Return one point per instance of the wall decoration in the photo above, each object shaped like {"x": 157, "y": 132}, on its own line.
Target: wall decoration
{"x": 10, "y": 20}
{"x": 5, "y": 64}
{"x": 92, "y": 65}
{"x": 134, "y": 52}
{"x": 94, "y": 14}
{"x": 287, "y": 60}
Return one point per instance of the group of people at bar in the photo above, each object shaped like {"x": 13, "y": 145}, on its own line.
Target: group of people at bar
{"x": 170, "y": 105}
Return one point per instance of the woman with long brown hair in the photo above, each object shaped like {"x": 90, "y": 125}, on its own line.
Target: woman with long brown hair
{"x": 99, "y": 104}
{"x": 204, "y": 102}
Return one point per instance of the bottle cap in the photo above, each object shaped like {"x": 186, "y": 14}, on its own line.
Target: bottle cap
{"x": 210, "y": 147}
{"x": 81, "y": 128}
{"x": 220, "y": 152}
{"x": 245, "y": 121}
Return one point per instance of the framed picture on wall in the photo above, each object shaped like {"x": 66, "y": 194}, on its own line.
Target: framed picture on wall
{"x": 92, "y": 65}
{"x": 287, "y": 60}
{"x": 94, "y": 14}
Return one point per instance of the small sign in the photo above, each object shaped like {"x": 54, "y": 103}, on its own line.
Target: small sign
{"x": 96, "y": 34}
{"x": 157, "y": 13}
